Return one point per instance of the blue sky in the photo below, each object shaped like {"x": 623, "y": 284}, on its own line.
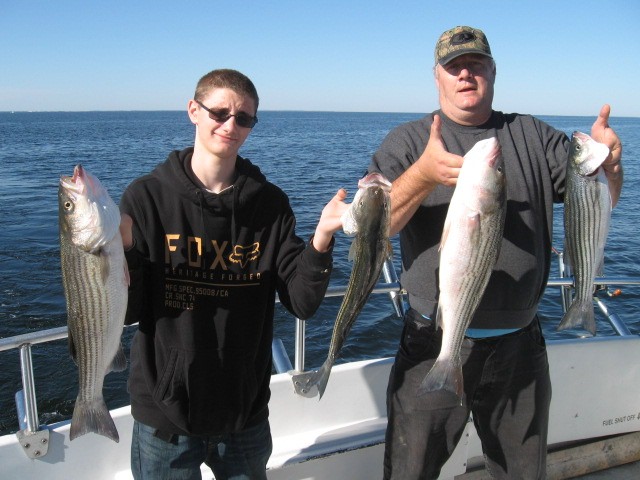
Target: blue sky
{"x": 553, "y": 57}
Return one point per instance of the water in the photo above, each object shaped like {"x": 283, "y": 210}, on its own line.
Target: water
{"x": 308, "y": 154}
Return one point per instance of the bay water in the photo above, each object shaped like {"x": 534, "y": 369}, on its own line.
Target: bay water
{"x": 308, "y": 154}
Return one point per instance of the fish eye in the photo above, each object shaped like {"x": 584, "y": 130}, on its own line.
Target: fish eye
{"x": 68, "y": 205}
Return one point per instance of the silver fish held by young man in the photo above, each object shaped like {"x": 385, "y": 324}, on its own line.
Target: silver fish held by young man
{"x": 95, "y": 279}
{"x": 469, "y": 249}
{"x": 368, "y": 218}
{"x": 587, "y": 214}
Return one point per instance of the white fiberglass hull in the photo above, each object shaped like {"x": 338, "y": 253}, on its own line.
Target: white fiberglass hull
{"x": 596, "y": 393}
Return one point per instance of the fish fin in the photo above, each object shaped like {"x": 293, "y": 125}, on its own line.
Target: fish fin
{"x": 104, "y": 266}
{"x": 473, "y": 221}
{"x": 566, "y": 256}
{"x": 312, "y": 383}
{"x": 92, "y": 416}
{"x": 72, "y": 347}
{"x": 119, "y": 362}
{"x": 439, "y": 317}
{"x": 445, "y": 234}
{"x": 579, "y": 315}
{"x": 352, "y": 251}
{"x": 127, "y": 277}
{"x": 599, "y": 271}
{"x": 444, "y": 375}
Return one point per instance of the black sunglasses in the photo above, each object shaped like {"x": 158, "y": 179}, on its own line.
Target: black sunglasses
{"x": 221, "y": 116}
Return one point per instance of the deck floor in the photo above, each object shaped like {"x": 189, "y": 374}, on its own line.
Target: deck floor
{"x": 629, "y": 471}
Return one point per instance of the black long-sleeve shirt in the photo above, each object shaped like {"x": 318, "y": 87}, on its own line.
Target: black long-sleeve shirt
{"x": 535, "y": 156}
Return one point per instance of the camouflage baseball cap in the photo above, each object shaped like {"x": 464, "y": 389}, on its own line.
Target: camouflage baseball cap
{"x": 461, "y": 40}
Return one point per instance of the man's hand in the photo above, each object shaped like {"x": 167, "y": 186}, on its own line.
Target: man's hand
{"x": 436, "y": 164}
{"x": 330, "y": 221}
{"x": 603, "y": 133}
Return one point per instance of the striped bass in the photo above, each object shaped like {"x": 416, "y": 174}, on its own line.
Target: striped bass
{"x": 368, "y": 218}
{"x": 469, "y": 249}
{"x": 95, "y": 280}
{"x": 587, "y": 214}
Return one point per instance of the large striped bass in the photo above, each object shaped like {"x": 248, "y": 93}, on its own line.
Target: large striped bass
{"x": 368, "y": 218}
{"x": 469, "y": 249}
{"x": 587, "y": 213}
{"x": 95, "y": 279}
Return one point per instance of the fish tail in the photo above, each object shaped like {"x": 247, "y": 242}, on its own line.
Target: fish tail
{"x": 444, "y": 375}
{"x": 92, "y": 416}
{"x": 579, "y": 315}
{"x": 304, "y": 382}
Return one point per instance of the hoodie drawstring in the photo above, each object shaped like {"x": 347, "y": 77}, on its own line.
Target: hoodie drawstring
{"x": 234, "y": 233}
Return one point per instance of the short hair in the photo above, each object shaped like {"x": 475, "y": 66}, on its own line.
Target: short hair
{"x": 226, "y": 78}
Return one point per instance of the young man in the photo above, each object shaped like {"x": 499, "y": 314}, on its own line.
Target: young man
{"x": 505, "y": 368}
{"x": 209, "y": 243}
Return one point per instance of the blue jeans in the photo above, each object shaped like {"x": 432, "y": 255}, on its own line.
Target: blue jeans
{"x": 506, "y": 386}
{"x": 234, "y": 456}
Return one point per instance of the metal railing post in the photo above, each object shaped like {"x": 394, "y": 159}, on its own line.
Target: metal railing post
{"x": 390, "y": 276}
{"x": 300, "y": 345}
{"x": 35, "y": 442}
{"x": 618, "y": 325}
{"x": 30, "y": 408}
{"x": 281, "y": 361}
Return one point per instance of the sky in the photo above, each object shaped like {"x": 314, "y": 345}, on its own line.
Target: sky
{"x": 553, "y": 57}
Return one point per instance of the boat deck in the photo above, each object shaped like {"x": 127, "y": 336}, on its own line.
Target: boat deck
{"x": 629, "y": 471}
{"x": 616, "y": 457}
{"x": 623, "y": 472}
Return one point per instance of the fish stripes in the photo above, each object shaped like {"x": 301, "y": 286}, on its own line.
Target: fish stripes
{"x": 95, "y": 279}
{"x": 587, "y": 213}
{"x": 369, "y": 218}
{"x": 470, "y": 244}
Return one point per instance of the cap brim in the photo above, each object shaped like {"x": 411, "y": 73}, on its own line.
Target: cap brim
{"x": 446, "y": 59}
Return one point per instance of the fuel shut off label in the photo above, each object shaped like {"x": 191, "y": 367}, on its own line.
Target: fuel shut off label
{"x": 633, "y": 417}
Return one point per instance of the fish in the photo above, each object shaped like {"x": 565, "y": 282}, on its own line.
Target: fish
{"x": 587, "y": 215}
{"x": 368, "y": 220}
{"x": 95, "y": 279}
{"x": 469, "y": 248}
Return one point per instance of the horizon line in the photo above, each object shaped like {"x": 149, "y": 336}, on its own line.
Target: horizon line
{"x": 289, "y": 111}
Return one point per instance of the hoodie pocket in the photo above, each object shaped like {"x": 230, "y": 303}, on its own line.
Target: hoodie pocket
{"x": 207, "y": 391}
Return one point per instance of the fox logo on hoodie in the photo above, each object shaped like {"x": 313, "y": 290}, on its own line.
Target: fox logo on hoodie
{"x": 244, "y": 255}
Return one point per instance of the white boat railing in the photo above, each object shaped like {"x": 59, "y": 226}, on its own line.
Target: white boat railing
{"x": 34, "y": 439}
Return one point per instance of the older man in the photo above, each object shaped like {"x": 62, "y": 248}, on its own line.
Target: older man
{"x": 506, "y": 373}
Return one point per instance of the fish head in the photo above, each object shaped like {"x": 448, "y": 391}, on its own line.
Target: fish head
{"x": 370, "y": 209}
{"x": 483, "y": 171}
{"x": 88, "y": 217}
{"x": 585, "y": 154}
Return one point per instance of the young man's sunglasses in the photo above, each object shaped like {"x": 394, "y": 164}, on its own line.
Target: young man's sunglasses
{"x": 221, "y": 116}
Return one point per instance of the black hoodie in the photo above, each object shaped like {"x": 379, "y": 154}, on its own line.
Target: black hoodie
{"x": 204, "y": 271}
